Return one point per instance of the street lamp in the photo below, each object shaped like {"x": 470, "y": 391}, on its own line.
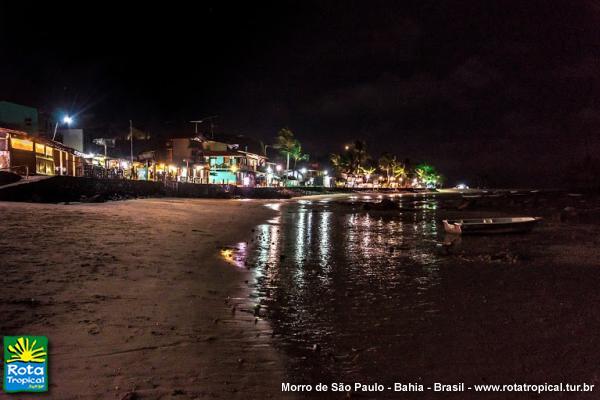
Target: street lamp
{"x": 67, "y": 120}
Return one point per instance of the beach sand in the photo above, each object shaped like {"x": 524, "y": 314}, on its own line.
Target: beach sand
{"x": 135, "y": 300}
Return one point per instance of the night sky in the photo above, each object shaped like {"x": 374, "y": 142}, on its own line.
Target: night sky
{"x": 505, "y": 92}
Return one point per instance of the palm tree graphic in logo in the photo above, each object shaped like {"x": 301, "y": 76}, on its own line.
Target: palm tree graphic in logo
{"x": 26, "y": 352}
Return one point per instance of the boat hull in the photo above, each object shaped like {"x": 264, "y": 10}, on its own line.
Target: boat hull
{"x": 490, "y": 225}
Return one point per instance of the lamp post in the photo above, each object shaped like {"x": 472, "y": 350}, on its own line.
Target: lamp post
{"x": 66, "y": 120}
{"x": 266, "y": 147}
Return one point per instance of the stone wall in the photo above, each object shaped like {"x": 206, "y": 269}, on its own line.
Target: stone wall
{"x": 59, "y": 189}
{"x": 70, "y": 189}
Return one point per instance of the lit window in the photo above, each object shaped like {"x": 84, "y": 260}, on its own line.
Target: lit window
{"x": 21, "y": 144}
{"x": 39, "y": 148}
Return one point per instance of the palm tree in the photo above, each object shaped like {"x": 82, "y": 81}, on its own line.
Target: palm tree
{"x": 367, "y": 171}
{"x": 285, "y": 142}
{"x": 386, "y": 163}
{"x": 428, "y": 175}
{"x": 399, "y": 171}
{"x": 340, "y": 163}
{"x": 296, "y": 153}
{"x": 357, "y": 156}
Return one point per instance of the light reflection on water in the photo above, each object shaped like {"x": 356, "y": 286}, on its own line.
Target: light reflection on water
{"x": 332, "y": 276}
{"x": 381, "y": 304}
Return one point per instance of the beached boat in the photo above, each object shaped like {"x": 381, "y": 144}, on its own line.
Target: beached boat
{"x": 490, "y": 225}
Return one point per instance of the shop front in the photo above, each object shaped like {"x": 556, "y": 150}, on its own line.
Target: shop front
{"x": 27, "y": 155}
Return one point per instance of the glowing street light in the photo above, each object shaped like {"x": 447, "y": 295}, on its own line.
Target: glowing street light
{"x": 303, "y": 171}
{"x": 278, "y": 167}
{"x": 66, "y": 120}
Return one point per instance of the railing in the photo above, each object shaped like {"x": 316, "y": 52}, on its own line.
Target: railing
{"x": 171, "y": 184}
{"x": 227, "y": 167}
{"x": 221, "y": 166}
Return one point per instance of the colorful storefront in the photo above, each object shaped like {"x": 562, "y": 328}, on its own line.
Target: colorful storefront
{"x": 233, "y": 167}
{"x": 28, "y": 155}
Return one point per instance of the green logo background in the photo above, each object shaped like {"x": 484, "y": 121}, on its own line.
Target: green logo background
{"x": 41, "y": 342}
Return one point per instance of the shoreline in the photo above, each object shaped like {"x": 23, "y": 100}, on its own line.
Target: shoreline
{"x": 67, "y": 189}
{"x": 145, "y": 305}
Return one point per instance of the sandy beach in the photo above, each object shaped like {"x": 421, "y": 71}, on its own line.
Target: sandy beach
{"x": 158, "y": 298}
{"x": 135, "y": 300}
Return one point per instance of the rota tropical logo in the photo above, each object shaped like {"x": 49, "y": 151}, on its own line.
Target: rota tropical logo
{"x": 25, "y": 364}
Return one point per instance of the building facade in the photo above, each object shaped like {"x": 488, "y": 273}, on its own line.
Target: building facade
{"x": 29, "y": 155}
{"x": 209, "y": 161}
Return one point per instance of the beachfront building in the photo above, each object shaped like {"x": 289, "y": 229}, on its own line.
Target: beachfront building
{"x": 101, "y": 166}
{"x": 199, "y": 160}
{"x": 228, "y": 165}
{"x": 269, "y": 175}
{"x": 315, "y": 177}
{"x": 28, "y": 155}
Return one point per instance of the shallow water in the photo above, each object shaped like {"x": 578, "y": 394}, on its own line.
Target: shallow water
{"x": 367, "y": 296}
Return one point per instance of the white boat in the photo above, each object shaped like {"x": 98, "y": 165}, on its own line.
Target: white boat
{"x": 490, "y": 225}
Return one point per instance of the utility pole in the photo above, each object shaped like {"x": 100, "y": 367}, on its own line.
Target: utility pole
{"x": 196, "y": 125}
{"x": 131, "y": 141}
{"x": 205, "y": 119}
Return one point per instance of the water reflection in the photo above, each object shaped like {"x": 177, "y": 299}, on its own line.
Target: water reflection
{"x": 236, "y": 255}
{"x": 372, "y": 290}
{"x": 374, "y": 293}
{"x": 333, "y": 276}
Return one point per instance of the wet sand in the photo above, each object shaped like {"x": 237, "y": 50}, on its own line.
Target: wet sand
{"x": 135, "y": 300}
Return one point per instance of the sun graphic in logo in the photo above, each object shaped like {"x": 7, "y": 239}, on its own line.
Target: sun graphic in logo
{"x": 26, "y": 352}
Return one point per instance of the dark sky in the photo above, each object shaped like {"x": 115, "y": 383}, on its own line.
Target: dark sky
{"x": 503, "y": 90}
